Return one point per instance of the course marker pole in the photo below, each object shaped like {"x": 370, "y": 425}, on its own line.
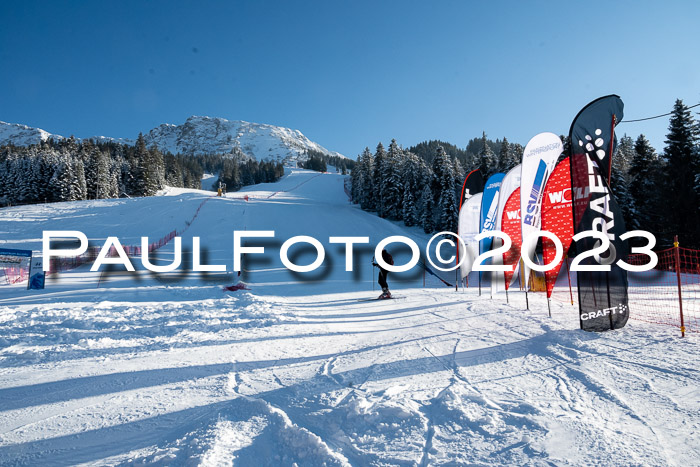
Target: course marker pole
{"x": 677, "y": 255}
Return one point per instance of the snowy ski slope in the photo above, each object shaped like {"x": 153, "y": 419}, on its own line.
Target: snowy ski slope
{"x": 168, "y": 369}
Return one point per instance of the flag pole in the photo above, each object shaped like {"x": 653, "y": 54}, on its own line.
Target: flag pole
{"x": 571, "y": 294}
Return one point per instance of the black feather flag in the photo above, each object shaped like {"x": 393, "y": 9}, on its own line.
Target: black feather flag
{"x": 603, "y": 300}
{"x": 473, "y": 184}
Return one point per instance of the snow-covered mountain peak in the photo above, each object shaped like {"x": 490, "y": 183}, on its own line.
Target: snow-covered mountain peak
{"x": 209, "y": 135}
{"x": 23, "y": 135}
{"x": 199, "y": 135}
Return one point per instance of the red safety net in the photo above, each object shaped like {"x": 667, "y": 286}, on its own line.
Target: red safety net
{"x": 510, "y": 225}
{"x": 670, "y": 293}
{"x": 14, "y": 274}
{"x": 68, "y": 263}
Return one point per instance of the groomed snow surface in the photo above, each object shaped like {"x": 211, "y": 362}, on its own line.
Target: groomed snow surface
{"x": 169, "y": 369}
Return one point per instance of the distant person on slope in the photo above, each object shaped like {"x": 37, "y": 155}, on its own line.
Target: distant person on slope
{"x": 383, "y": 273}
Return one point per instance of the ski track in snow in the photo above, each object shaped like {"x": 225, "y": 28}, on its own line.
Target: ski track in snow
{"x": 170, "y": 370}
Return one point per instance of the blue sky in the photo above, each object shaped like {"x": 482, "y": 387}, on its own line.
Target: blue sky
{"x": 347, "y": 74}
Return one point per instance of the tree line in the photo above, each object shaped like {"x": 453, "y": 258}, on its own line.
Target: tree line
{"x": 660, "y": 193}
{"x": 422, "y": 185}
{"x": 238, "y": 171}
{"x": 72, "y": 170}
{"x": 318, "y": 161}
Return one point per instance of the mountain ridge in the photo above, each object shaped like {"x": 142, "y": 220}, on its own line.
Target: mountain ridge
{"x": 198, "y": 135}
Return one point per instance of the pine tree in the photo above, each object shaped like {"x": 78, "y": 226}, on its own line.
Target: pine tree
{"x": 366, "y": 169}
{"x": 71, "y": 145}
{"x": 444, "y": 186}
{"x": 448, "y": 201}
{"x": 22, "y": 174}
{"x": 63, "y": 178}
{"x": 516, "y": 151}
{"x": 78, "y": 188}
{"x": 356, "y": 182}
{"x": 97, "y": 175}
{"x": 174, "y": 173}
{"x": 426, "y": 208}
{"x": 4, "y": 181}
{"x": 230, "y": 175}
{"x": 247, "y": 171}
{"x": 504, "y": 161}
{"x": 409, "y": 206}
{"x": 645, "y": 173}
{"x": 391, "y": 186}
{"x": 138, "y": 168}
{"x": 620, "y": 182}
{"x": 459, "y": 175}
{"x": 46, "y": 173}
{"x": 113, "y": 180}
{"x": 377, "y": 170}
{"x": 624, "y": 154}
{"x": 37, "y": 179}
{"x": 13, "y": 179}
{"x": 438, "y": 167}
{"x": 440, "y": 164}
{"x": 411, "y": 172}
{"x": 154, "y": 172}
{"x": 681, "y": 214}
{"x": 487, "y": 158}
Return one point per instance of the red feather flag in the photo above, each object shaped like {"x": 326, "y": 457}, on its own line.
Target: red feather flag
{"x": 510, "y": 225}
{"x": 557, "y": 218}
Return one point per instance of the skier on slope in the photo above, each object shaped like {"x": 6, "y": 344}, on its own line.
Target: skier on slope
{"x": 383, "y": 273}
